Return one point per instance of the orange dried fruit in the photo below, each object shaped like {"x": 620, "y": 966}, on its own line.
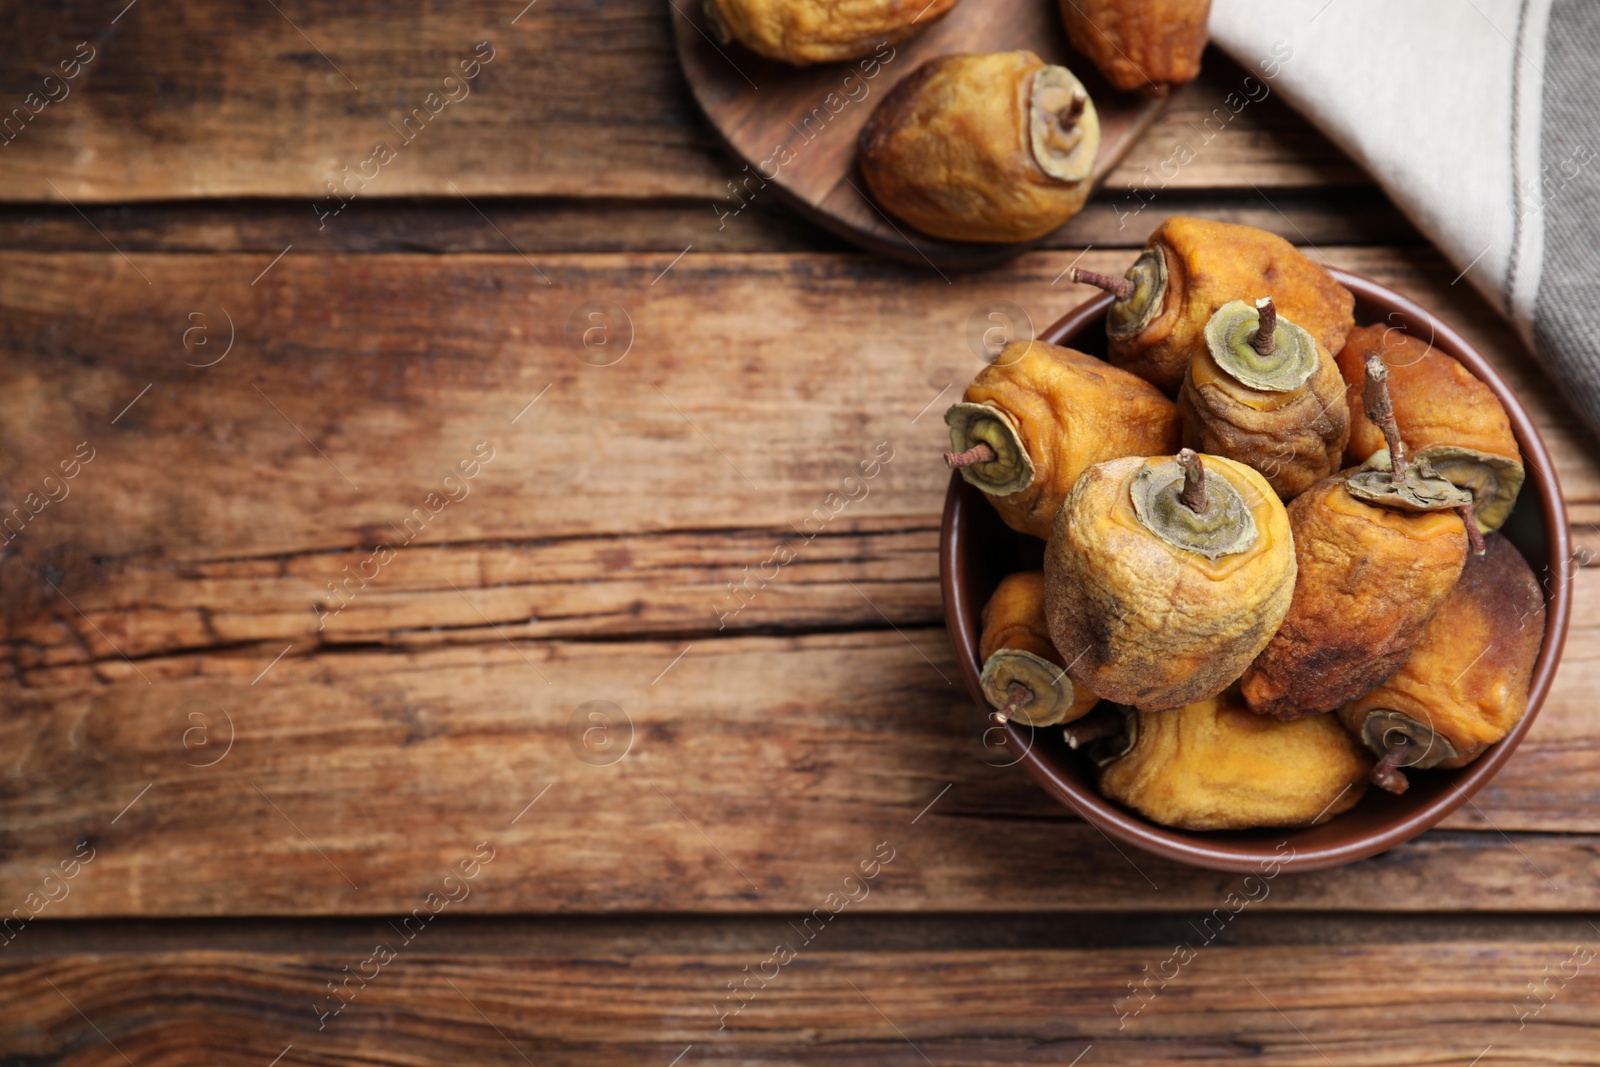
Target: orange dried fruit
{"x": 1262, "y": 391}
{"x": 803, "y": 32}
{"x": 1192, "y": 267}
{"x": 1465, "y": 684}
{"x": 1165, "y": 577}
{"x": 1215, "y": 765}
{"x": 1140, "y": 44}
{"x": 1446, "y": 415}
{"x": 1035, "y": 418}
{"x": 994, "y": 147}
{"x": 1023, "y": 676}
{"x": 1378, "y": 549}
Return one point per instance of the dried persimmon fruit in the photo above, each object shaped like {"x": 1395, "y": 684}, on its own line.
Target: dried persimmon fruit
{"x": 1192, "y": 267}
{"x": 802, "y": 32}
{"x": 1446, "y": 415}
{"x": 1165, "y": 577}
{"x": 1215, "y": 765}
{"x": 1140, "y": 44}
{"x": 1035, "y": 418}
{"x": 1465, "y": 684}
{"x": 1023, "y": 675}
{"x": 1378, "y": 549}
{"x": 1262, "y": 391}
{"x": 994, "y": 147}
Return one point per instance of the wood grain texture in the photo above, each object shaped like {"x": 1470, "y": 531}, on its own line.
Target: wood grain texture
{"x": 1288, "y": 1006}
{"x": 1353, "y": 217}
{"x": 757, "y": 771}
{"x": 200, "y": 541}
{"x": 753, "y": 385}
{"x": 582, "y": 101}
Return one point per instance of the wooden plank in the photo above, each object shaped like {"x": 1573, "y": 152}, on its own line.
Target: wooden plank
{"x": 1350, "y": 217}
{"x": 1228, "y": 129}
{"x": 752, "y": 770}
{"x": 1293, "y": 1006}
{"x": 862, "y": 931}
{"x": 674, "y": 586}
{"x": 663, "y": 585}
{"x": 358, "y": 382}
{"x": 265, "y": 101}
{"x": 276, "y": 102}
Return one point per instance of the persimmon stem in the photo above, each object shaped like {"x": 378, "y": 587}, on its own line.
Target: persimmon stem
{"x": 1380, "y": 409}
{"x": 1121, "y": 288}
{"x": 1068, "y": 116}
{"x": 1092, "y": 727}
{"x": 1387, "y": 775}
{"x": 1265, "y": 340}
{"x": 1020, "y": 695}
{"x": 1474, "y": 535}
{"x": 1193, "y": 495}
{"x": 978, "y": 453}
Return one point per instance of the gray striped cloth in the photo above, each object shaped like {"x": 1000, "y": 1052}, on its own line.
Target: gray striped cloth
{"x": 1481, "y": 120}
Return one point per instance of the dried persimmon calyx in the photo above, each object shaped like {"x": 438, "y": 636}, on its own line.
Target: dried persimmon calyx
{"x": 1493, "y": 481}
{"x": 1279, "y": 365}
{"x": 1402, "y": 743}
{"x": 1106, "y": 734}
{"x": 1178, "y": 504}
{"x": 974, "y": 426}
{"x": 1388, "y": 478}
{"x": 1063, "y": 126}
{"x": 1420, "y": 488}
{"x": 1027, "y": 688}
{"x": 1384, "y": 729}
{"x": 1445, "y": 413}
{"x": 1140, "y": 293}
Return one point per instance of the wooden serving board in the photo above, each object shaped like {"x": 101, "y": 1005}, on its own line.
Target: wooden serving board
{"x": 760, "y": 106}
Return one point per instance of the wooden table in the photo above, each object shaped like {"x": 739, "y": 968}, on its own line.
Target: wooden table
{"x": 227, "y": 778}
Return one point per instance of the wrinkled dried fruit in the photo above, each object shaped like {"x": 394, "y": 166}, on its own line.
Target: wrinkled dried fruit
{"x": 1214, "y": 765}
{"x": 1445, "y": 414}
{"x": 1164, "y": 579}
{"x": 802, "y": 32}
{"x": 1044, "y": 413}
{"x": 1370, "y": 579}
{"x": 1266, "y": 395}
{"x": 1022, "y": 672}
{"x": 996, "y": 147}
{"x": 1379, "y": 548}
{"x": 1140, "y": 44}
{"x": 1465, "y": 684}
{"x": 1189, "y": 269}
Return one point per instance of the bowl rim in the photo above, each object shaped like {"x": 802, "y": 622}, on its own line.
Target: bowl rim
{"x": 1197, "y": 848}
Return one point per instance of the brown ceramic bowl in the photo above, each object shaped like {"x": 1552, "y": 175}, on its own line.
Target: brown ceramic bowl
{"x": 976, "y": 550}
